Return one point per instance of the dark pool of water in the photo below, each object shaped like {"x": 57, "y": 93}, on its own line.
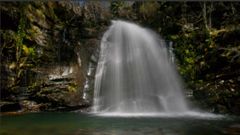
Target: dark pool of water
{"x": 86, "y": 124}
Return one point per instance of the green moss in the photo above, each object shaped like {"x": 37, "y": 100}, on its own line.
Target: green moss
{"x": 72, "y": 88}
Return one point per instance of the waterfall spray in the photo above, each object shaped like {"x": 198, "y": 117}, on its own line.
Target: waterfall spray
{"x": 134, "y": 74}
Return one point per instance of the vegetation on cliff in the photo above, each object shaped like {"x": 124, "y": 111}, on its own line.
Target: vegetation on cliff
{"x": 206, "y": 45}
{"x": 45, "y": 44}
{"x": 46, "y": 48}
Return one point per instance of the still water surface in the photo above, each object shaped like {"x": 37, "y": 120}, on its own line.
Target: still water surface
{"x": 87, "y": 124}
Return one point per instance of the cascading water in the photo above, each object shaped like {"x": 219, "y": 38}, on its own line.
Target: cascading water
{"x": 134, "y": 74}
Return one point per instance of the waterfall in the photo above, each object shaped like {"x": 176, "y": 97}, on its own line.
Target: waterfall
{"x": 170, "y": 51}
{"x": 134, "y": 74}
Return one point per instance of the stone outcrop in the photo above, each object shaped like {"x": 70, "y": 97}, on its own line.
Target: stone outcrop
{"x": 46, "y": 49}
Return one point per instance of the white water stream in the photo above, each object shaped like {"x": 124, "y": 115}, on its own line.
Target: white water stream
{"x": 134, "y": 75}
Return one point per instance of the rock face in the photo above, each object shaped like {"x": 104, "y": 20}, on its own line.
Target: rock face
{"x": 9, "y": 106}
{"x": 46, "y": 49}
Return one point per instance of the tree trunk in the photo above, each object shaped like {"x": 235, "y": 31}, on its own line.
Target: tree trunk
{"x": 204, "y": 10}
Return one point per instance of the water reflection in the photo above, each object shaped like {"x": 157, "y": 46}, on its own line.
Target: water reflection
{"x": 85, "y": 124}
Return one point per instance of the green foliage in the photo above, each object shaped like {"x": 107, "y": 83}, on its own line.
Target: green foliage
{"x": 205, "y": 35}
{"x": 116, "y": 6}
{"x": 20, "y": 35}
{"x": 149, "y": 9}
{"x": 122, "y": 10}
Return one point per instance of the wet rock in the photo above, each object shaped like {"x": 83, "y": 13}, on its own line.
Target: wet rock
{"x": 235, "y": 106}
{"x": 9, "y": 15}
{"x": 92, "y": 45}
{"x": 9, "y": 106}
{"x": 30, "y": 106}
{"x": 220, "y": 109}
{"x": 90, "y": 32}
{"x": 60, "y": 88}
{"x": 37, "y": 17}
{"x": 83, "y": 106}
{"x": 58, "y": 34}
{"x": 37, "y": 35}
{"x": 232, "y": 130}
